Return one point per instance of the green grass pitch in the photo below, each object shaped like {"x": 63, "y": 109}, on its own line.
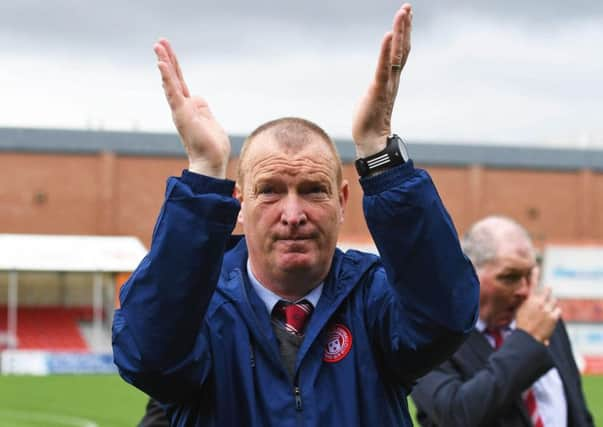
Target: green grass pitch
{"x": 107, "y": 401}
{"x": 69, "y": 400}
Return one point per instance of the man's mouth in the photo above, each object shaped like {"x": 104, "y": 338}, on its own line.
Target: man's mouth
{"x": 293, "y": 245}
{"x": 295, "y": 237}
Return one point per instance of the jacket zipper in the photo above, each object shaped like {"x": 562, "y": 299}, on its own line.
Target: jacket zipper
{"x": 252, "y": 354}
{"x": 298, "y": 399}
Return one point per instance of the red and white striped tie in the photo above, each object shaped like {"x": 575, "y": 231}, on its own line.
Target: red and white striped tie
{"x": 530, "y": 401}
{"x": 497, "y": 335}
{"x": 528, "y": 396}
{"x": 293, "y": 316}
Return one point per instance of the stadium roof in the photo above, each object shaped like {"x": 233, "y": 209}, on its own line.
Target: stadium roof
{"x": 168, "y": 145}
{"x": 32, "y": 252}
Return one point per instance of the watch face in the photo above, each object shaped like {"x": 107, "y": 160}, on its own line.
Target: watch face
{"x": 402, "y": 148}
{"x": 394, "y": 153}
{"x": 361, "y": 167}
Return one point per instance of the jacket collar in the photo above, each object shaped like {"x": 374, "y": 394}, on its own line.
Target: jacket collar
{"x": 346, "y": 271}
{"x": 346, "y": 268}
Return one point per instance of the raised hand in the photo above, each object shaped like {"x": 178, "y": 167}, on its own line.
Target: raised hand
{"x": 206, "y": 143}
{"x": 372, "y": 122}
{"x": 539, "y": 314}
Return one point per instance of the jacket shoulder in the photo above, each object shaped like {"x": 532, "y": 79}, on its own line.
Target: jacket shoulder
{"x": 351, "y": 266}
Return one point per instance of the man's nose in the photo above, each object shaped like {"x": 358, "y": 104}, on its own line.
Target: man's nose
{"x": 293, "y": 213}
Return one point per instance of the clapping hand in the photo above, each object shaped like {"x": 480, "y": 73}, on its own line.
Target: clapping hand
{"x": 372, "y": 122}
{"x": 205, "y": 142}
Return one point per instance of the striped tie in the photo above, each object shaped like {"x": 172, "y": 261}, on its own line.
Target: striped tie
{"x": 292, "y": 316}
{"x": 497, "y": 335}
{"x": 530, "y": 401}
{"x": 528, "y": 396}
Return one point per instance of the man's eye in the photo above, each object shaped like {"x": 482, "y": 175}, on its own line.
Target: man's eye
{"x": 266, "y": 190}
{"x": 510, "y": 278}
{"x": 317, "y": 190}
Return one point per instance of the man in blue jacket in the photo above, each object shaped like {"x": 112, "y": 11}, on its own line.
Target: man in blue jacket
{"x": 280, "y": 328}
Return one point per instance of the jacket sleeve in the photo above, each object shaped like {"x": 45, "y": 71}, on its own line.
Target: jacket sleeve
{"x": 154, "y": 416}
{"x": 158, "y": 342}
{"x": 424, "y": 300}
{"x": 449, "y": 399}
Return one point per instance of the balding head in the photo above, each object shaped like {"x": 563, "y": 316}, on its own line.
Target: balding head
{"x": 502, "y": 253}
{"x": 482, "y": 241}
{"x": 292, "y": 134}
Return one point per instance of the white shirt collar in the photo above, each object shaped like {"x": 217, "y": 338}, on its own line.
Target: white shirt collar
{"x": 480, "y": 325}
{"x": 270, "y": 298}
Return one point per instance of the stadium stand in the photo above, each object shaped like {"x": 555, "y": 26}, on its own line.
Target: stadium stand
{"x": 57, "y": 292}
{"x": 50, "y": 328}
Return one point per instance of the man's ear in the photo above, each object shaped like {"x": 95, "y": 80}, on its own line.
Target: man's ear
{"x": 344, "y": 194}
{"x": 238, "y": 194}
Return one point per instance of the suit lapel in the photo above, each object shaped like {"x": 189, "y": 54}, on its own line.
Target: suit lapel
{"x": 560, "y": 361}
{"x": 479, "y": 348}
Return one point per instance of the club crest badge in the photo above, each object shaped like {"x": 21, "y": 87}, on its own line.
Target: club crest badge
{"x": 339, "y": 343}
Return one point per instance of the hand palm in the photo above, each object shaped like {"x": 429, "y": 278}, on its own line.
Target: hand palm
{"x": 372, "y": 122}
{"x": 205, "y": 142}
{"x": 202, "y": 136}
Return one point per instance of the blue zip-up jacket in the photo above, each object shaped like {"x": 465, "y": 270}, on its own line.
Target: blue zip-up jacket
{"x": 192, "y": 333}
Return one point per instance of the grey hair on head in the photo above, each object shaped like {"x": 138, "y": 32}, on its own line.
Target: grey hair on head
{"x": 480, "y": 242}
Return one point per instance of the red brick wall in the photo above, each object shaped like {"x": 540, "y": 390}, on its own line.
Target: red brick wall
{"x": 597, "y": 206}
{"x": 109, "y": 194}
{"x": 354, "y": 227}
{"x": 458, "y": 192}
{"x": 139, "y": 191}
{"x": 56, "y": 194}
{"x": 545, "y": 202}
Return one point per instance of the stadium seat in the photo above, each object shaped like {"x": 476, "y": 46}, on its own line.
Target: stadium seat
{"x": 50, "y": 328}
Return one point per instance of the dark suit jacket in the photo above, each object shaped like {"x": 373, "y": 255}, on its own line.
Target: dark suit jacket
{"x": 480, "y": 387}
{"x": 154, "y": 416}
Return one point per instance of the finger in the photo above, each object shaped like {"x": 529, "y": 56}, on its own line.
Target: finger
{"x": 174, "y": 60}
{"x": 543, "y": 294}
{"x": 534, "y": 278}
{"x": 382, "y": 73}
{"x": 557, "y": 313}
{"x": 401, "y": 37}
{"x": 551, "y": 304}
{"x": 171, "y": 85}
{"x": 547, "y": 293}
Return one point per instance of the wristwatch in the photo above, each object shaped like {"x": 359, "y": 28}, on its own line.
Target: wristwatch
{"x": 394, "y": 153}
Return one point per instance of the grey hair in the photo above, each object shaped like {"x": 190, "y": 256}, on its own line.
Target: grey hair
{"x": 293, "y": 133}
{"x": 480, "y": 242}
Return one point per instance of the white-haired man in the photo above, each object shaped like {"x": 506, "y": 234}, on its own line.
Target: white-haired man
{"x": 516, "y": 369}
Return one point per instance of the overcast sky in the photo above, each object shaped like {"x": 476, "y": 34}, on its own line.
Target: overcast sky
{"x": 518, "y": 72}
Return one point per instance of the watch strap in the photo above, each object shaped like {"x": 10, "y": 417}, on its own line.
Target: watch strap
{"x": 393, "y": 154}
